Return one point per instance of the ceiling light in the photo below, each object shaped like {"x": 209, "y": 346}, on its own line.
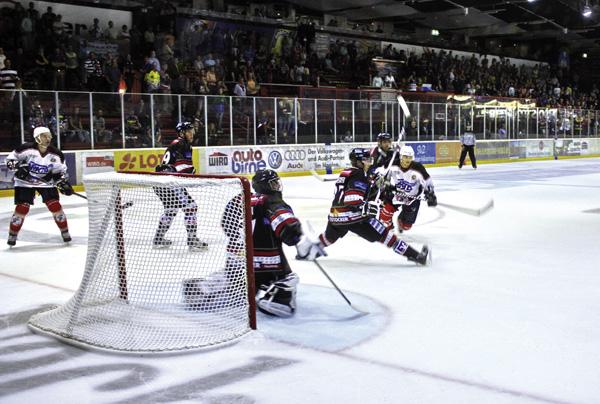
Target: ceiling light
{"x": 435, "y": 32}
{"x": 584, "y": 56}
{"x": 587, "y": 10}
{"x": 530, "y": 1}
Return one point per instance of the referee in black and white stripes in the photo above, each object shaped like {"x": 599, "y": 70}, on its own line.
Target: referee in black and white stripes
{"x": 467, "y": 141}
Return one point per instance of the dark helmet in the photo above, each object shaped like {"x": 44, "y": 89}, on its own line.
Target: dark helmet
{"x": 182, "y": 127}
{"x": 266, "y": 182}
{"x": 358, "y": 155}
{"x": 384, "y": 136}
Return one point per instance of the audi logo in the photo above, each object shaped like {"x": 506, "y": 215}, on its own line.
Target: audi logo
{"x": 294, "y": 155}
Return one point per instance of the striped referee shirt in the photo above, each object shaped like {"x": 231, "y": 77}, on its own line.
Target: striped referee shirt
{"x": 8, "y": 78}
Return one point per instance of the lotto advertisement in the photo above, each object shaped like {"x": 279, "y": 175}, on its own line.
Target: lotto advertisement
{"x": 137, "y": 160}
{"x": 447, "y": 152}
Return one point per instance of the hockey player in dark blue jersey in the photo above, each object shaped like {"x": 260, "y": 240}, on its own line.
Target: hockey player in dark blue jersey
{"x": 352, "y": 210}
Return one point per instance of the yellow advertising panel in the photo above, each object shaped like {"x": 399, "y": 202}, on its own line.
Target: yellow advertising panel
{"x": 447, "y": 152}
{"x": 138, "y": 160}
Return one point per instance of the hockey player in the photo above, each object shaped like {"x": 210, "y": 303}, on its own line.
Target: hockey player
{"x": 275, "y": 224}
{"x": 408, "y": 182}
{"x": 352, "y": 211}
{"x": 41, "y": 168}
{"x": 382, "y": 153}
{"x": 178, "y": 159}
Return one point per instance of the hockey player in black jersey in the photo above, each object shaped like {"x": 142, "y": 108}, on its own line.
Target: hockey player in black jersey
{"x": 275, "y": 224}
{"x": 352, "y": 211}
{"x": 39, "y": 167}
{"x": 407, "y": 182}
{"x": 178, "y": 159}
{"x": 383, "y": 152}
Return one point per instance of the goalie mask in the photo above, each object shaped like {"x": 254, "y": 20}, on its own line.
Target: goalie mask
{"x": 42, "y": 135}
{"x": 407, "y": 155}
{"x": 266, "y": 182}
{"x": 360, "y": 156}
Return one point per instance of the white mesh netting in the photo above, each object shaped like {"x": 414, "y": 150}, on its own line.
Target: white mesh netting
{"x": 166, "y": 267}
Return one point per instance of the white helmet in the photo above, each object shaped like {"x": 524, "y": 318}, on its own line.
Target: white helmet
{"x": 407, "y": 151}
{"x": 38, "y": 131}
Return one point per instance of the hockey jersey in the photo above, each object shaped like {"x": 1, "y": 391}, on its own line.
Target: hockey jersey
{"x": 274, "y": 223}
{"x": 352, "y": 189}
{"x": 408, "y": 184}
{"x": 44, "y": 168}
{"x": 179, "y": 155}
{"x": 382, "y": 158}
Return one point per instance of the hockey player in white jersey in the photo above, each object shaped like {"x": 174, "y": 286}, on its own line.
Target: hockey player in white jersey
{"x": 39, "y": 167}
{"x": 406, "y": 185}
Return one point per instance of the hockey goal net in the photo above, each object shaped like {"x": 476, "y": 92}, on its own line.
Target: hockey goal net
{"x": 192, "y": 289}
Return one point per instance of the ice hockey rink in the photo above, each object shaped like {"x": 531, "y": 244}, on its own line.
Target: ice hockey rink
{"x": 508, "y": 312}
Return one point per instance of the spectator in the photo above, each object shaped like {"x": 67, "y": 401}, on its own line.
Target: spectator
{"x": 390, "y": 82}
{"x": 124, "y": 33}
{"x": 58, "y": 66}
{"x": 240, "y": 88}
{"x": 152, "y": 80}
{"x": 153, "y": 61}
{"x": 8, "y": 76}
{"x": 2, "y": 58}
{"x": 72, "y": 77}
{"x": 377, "y": 81}
{"x": 93, "y": 72}
{"x": 75, "y": 128}
{"x": 111, "y": 32}
{"x": 101, "y": 134}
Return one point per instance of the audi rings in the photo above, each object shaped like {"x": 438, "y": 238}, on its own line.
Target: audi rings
{"x": 294, "y": 155}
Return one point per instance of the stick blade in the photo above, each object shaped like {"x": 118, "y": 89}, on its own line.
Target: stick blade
{"x": 403, "y": 105}
{"x": 469, "y": 211}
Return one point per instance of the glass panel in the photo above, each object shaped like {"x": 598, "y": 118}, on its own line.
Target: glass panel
{"x": 218, "y": 120}
{"x": 344, "y": 120}
{"x": 440, "y": 122}
{"x": 107, "y": 121}
{"x": 10, "y": 118}
{"x": 137, "y": 120}
{"x": 578, "y": 120}
{"x": 532, "y": 122}
{"x": 166, "y": 116}
{"x": 425, "y": 120}
{"x": 391, "y": 117}
{"x": 306, "y": 120}
{"x": 75, "y": 121}
{"x": 285, "y": 120}
{"x": 377, "y": 118}
{"x": 324, "y": 122}
{"x": 411, "y": 124}
{"x": 243, "y": 131}
{"x": 542, "y": 122}
{"x": 38, "y": 110}
{"x": 265, "y": 121}
{"x": 502, "y": 123}
{"x": 362, "y": 123}
{"x": 192, "y": 110}
{"x": 453, "y": 114}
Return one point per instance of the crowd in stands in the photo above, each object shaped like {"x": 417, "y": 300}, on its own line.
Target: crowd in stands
{"x": 39, "y": 51}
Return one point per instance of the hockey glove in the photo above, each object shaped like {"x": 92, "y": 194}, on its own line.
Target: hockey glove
{"x": 12, "y": 165}
{"x": 23, "y": 173}
{"x": 431, "y": 198}
{"x": 64, "y": 187}
{"x": 309, "y": 250}
{"x": 370, "y": 209}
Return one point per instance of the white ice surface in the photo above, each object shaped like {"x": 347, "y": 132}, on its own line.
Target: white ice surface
{"x": 509, "y": 311}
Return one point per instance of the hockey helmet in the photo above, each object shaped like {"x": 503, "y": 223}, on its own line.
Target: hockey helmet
{"x": 360, "y": 154}
{"x": 266, "y": 182}
{"x": 407, "y": 154}
{"x": 183, "y": 126}
{"x": 39, "y": 131}
{"x": 384, "y": 136}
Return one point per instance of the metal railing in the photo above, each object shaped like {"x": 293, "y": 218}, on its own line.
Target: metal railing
{"x": 84, "y": 120}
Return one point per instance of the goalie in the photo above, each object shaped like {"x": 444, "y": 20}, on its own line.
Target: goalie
{"x": 39, "y": 167}
{"x": 352, "y": 211}
{"x": 405, "y": 185}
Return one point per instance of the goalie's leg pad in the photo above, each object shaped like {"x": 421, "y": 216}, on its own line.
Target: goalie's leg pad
{"x": 206, "y": 293}
{"x": 280, "y": 297}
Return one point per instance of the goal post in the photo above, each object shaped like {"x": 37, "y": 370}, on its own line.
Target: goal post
{"x": 168, "y": 267}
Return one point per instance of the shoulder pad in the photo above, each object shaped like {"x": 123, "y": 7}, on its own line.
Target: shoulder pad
{"x": 25, "y": 146}
{"x": 257, "y": 199}
{"x": 54, "y": 150}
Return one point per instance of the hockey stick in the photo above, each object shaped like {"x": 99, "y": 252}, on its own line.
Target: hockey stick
{"x": 362, "y": 312}
{"x": 406, "y": 112}
{"x": 321, "y": 177}
{"x": 469, "y": 211}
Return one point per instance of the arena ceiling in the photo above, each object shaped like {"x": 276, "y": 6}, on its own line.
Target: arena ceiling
{"x": 531, "y": 25}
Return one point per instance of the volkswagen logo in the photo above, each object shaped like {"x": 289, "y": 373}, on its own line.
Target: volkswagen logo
{"x": 294, "y": 155}
{"x": 275, "y": 159}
